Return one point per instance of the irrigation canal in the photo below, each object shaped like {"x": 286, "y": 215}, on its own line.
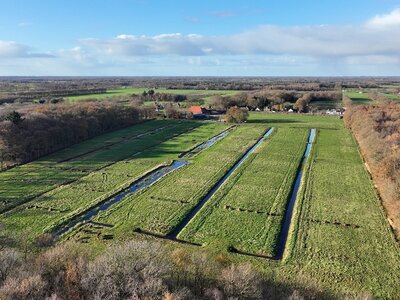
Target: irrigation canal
{"x": 157, "y": 174}
{"x": 195, "y": 210}
{"x": 141, "y": 183}
{"x": 283, "y": 235}
{"x": 280, "y": 249}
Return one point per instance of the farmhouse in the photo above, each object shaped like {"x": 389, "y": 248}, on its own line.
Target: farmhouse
{"x": 199, "y": 111}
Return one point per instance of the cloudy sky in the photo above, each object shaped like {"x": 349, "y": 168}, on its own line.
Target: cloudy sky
{"x": 208, "y": 37}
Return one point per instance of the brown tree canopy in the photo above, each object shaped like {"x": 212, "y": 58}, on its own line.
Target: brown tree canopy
{"x": 39, "y": 130}
{"x": 377, "y": 129}
{"x": 236, "y": 115}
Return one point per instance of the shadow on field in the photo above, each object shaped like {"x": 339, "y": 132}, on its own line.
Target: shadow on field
{"x": 272, "y": 121}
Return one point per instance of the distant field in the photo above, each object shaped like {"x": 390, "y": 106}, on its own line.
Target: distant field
{"x": 339, "y": 239}
{"x": 358, "y": 98}
{"x": 129, "y": 91}
{"x": 393, "y": 96}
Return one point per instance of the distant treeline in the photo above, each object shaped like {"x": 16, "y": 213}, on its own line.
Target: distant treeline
{"x": 28, "y": 96}
{"x": 35, "y": 131}
{"x": 377, "y": 130}
{"x": 18, "y": 89}
{"x": 299, "y": 101}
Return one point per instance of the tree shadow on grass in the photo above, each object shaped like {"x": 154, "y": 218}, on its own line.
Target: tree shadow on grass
{"x": 273, "y": 121}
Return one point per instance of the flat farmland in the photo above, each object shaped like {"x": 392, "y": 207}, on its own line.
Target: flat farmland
{"x": 46, "y": 211}
{"x": 247, "y": 212}
{"x": 27, "y": 181}
{"x": 358, "y": 98}
{"x": 232, "y": 193}
{"x": 161, "y": 208}
{"x": 139, "y": 91}
{"x": 342, "y": 237}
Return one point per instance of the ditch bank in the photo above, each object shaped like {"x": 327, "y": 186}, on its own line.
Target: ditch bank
{"x": 136, "y": 186}
{"x": 173, "y": 234}
{"x": 284, "y": 232}
{"x": 139, "y": 184}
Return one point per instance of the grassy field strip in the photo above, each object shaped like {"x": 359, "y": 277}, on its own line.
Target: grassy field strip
{"x": 177, "y": 230}
{"x": 139, "y": 91}
{"x": 88, "y": 146}
{"x": 164, "y": 206}
{"x": 64, "y": 203}
{"x": 144, "y": 182}
{"x": 248, "y": 211}
{"x": 205, "y": 145}
{"x": 295, "y": 120}
{"x": 358, "y": 98}
{"x": 290, "y": 212}
{"x": 343, "y": 237}
{"x": 27, "y": 187}
{"x": 36, "y": 169}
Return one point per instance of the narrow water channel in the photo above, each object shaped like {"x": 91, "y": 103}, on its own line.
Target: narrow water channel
{"x": 139, "y": 184}
{"x": 280, "y": 249}
{"x": 136, "y": 186}
{"x": 195, "y": 210}
{"x": 207, "y": 144}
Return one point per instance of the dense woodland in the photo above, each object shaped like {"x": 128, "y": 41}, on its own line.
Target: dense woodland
{"x": 280, "y": 100}
{"x": 34, "y": 131}
{"x": 377, "y": 130}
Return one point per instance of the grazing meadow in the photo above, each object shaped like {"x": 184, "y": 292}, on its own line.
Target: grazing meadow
{"x": 339, "y": 239}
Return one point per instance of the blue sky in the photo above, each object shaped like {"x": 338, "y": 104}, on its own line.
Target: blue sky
{"x": 218, "y": 38}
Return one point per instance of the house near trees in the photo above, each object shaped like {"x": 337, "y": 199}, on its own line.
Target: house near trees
{"x": 199, "y": 112}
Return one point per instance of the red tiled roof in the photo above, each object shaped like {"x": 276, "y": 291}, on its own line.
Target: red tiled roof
{"x": 196, "y": 110}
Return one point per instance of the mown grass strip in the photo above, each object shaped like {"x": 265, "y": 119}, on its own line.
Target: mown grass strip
{"x": 164, "y": 206}
{"x": 66, "y": 202}
{"x": 25, "y": 182}
{"x": 339, "y": 191}
{"x": 263, "y": 184}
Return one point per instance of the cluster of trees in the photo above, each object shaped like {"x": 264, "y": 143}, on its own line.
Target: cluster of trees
{"x": 273, "y": 99}
{"x": 376, "y": 96}
{"x": 303, "y": 103}
{"x": 135, "y": 270}
{"x": 377, "y": 130}
{"x": 346, "y": 100}
{"x": 173, "y": 112}
{"x": 151, "y": 95}
{"x": 236, "y": 115}
{"x": 35, "y": 131}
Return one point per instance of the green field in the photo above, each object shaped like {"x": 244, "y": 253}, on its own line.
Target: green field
{"x": 342, "y": 235}
{"x": 395, "y": 97}
{"x": 358, "y": 98}
{"x": 339, "y": 240}
{"x": 129, "y": 91}
{"x": 247, "y": 212}
{"x": 119, "y": 166}
{"x": 163, "y": 206}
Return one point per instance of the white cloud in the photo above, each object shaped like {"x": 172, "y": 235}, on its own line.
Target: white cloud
{"x": 11, "y": 49}
{"x": 162, "y": 44}
{"x": 313, "y": 41}
{"x": 384, "y": 21}
{"x": 371, "y": 48}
